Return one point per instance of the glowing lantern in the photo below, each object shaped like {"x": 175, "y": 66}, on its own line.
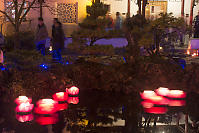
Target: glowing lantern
{"x": 147, "y": 104}
{"x": 162, "y": 91}
{"x": 25, "y": 118}
{"x": 159, "y": 100}
{"x": 177, "y": 103}
{"x": 24, "y": 107}
{"x": 47, "y": 120}
{"x": 61, "y": 107}
{"x": 156, "y": 110}
{"x": 188, "y": 52}
{"x": 177, "y": 94}
{"x": 72, "y": 91}
{"x": 147, "y": 94}
{"x": 46, "y": 106}
{"x": 22, "y": 99}
{"x": 73, "y": 100}
{"x": 60, "y": 96}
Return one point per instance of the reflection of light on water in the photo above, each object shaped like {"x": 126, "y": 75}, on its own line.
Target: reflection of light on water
{"x": 47, "y": 120}
{"x": 73, "y": 100}
{"x": 147, "y": 104}
{"x": 62, "y": 106}
{"x": 25, "y": 118}
{"x": 60, "y": 96}
{"x": 177, "y": 103}
{"x": 156, "y": 110}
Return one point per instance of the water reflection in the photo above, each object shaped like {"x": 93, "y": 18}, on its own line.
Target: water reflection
{"x": 95, "y": 111}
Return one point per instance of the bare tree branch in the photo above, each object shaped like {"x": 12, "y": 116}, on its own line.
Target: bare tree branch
{"x": 9, "y": 18}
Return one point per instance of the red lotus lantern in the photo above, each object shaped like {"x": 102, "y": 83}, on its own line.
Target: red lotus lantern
{"x": 22, "y": 99}
{"x": 147, "y": 104}
{"x": 177, "y": 94}
{"x": 159, "y": 100}
{"x": 24, "y": 107}
{"x": 62, "y": 106}
{"x": 73, "y": 100}
{"x": 162, "y": 91}
{"x": 147, "y": 94}
{"x": 25, "y": 118}
{"x": 47, "y": 120}
{"x": 60, "y": 96}
{"x": 156, "y": 110}
{"x": 46, "y": 106}
{"x": 177, "y": 103}
{"x": 72, "y": 91}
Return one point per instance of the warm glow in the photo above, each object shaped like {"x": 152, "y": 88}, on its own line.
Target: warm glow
{"x": 194, "y": 54}
{"x": 46, "y": 106}
{"x": 72, "y": 91}
{"x": 147, "y": 94}
{"x": 22, "y": 99}
{"x": 177, "y": 94}
{"x": 188, "y": 52}
{"x": 147, "y": 104}
{"x": 89, "y": 3}
{"x": 44, "y": 120}
{"x": 61, "y": 107}
{"x": 177, "y": 103}
{"x": 160, "y": 48}
{"x": 25, "y": 118}
{"x": 162, "y": 91}
{"x": 24, "y": 107}
{"x": 60, "y": 96}
{"x": 159, "y": 100}
{"x": 156, "y": 110}
{"x": 73, "y": 100}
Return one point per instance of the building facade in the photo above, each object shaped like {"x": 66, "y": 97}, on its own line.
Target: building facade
{"x": 72, "y": 12}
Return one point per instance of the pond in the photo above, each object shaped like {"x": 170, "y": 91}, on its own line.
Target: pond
{"x": 97, "y": 112}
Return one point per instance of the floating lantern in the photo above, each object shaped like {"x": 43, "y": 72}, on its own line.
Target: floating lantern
{"x": 72, "y": 91}
{"x": 24, "y": 107}
{"x": 147, "y": 94}
{"x": 156, "y": 110}
{"x": 147, "y": 104}
{"x": 159, "y": 100}
{"x": 73, "y": 100}
{"x": 22, "y": 99}
{"x": 177, "y": 103}
{"x": 62, "y": 106}
{"x": 47, "y": 120}
{"x": 46, "y": 106}
{"x": 25, "y": 118}
{"x": 177, "y": 94}
{"x": 162, "y": 91}
{"x": 60, "y": 96}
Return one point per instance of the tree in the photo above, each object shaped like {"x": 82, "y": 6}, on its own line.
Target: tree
{"x": 94, "y": 25}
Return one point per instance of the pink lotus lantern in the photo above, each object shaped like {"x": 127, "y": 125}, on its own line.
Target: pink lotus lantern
{"x": 177, "y": 103}
{"x": 60, "y": 96}
{"x": 46, "y": 106}
{"x": 22, "y": 99}
{"x": 73, "y": 100}
{"x": 147, "y": 94}
{"x": 162, "y": 91}
{"x": 61, "y": 107}
{"x": 156, "y": 110}
{"x": 147, "y": 104}
{"x": 44, "y": 120}
{"x": 24, "y": 107}
{"x": 159, "y": 100}
{"x": 25, "y": 118}
{"x": 72, "y": 91}
{"x": 177, "y": 94}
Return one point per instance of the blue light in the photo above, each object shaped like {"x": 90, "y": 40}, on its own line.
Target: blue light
{"x": 2, "y": 68}
{"x": 44, "y": 66}
{"x": 124, "y": 59}
{"x": 67, "y": 62}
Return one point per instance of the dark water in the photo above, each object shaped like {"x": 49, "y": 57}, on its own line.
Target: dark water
{"x": 99, "y": 112}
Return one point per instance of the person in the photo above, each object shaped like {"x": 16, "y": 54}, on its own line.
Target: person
{"x": 196, "y": 26}
{"x": 41, "y": 36}
{"x": 1, "y": 39}
{"x": 118, "y": 21}
{"x": 110, "y": 24}
{"x": 57, "y": 40}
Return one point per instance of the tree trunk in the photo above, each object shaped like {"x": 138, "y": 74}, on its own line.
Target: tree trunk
{"x": 143, "y": 7}
{"x": 41, "y": 9}
{"x": 129, "y": 7}
{"x": 140, "y": 7}
{"x": 191, "y": 12}
{"x": 182, "y": 9}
